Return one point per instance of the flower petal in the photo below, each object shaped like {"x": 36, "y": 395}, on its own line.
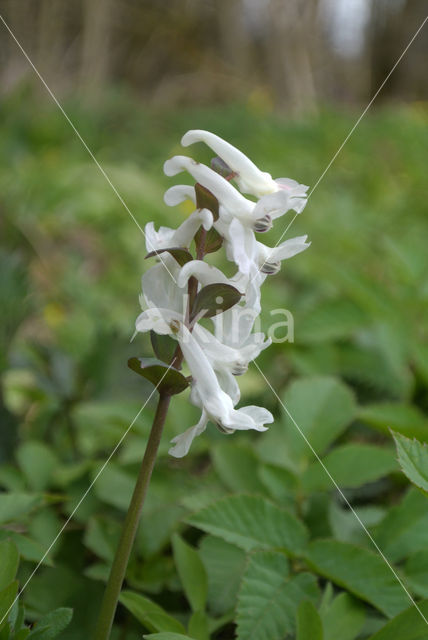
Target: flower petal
{"x": 183, "y": 442}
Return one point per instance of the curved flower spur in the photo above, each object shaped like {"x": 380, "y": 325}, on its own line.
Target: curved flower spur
{"x": 182, "y": 289}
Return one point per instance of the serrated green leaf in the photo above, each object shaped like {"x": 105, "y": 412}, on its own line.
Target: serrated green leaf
{"x": 322, "y": 407}
{"x": 403, "y": 418}
{"x": 413, "y": 460}
{"x": 191, "y": 572}
{"x": 52, "y": 624}
{"x": 408, "y": 625}
{"x": 180, "y": 254}
{"x": 165, "y": 378}
{"x": 237, "y": 467}
{"x": 252, "y": 522}
{"x": 362, "y": 572}
{"x": 150, "y": 614}
{"x": 9, "y": 561}
{"x": 269, "y": 596}
{"x": 350, "y": 465}
{"x": 309, "y": 625}
{"x": 344, "y": 618}
{"x": 213, "y": 299}
{"x": 225, "y": 564}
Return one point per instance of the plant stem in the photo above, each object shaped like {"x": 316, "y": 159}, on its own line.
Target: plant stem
{"x": 123, "y": 551}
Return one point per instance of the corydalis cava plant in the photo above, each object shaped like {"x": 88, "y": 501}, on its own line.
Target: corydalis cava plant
{"x": 181, "y": 289}
{"x": 179, "y": 280}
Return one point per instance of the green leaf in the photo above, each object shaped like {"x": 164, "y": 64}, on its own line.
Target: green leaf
{"x": 16, "y": 505}
{"x": 9, "y": 562}
{"x": 416, "y": 570}
{"x": 280, "y": 482}
{"x": 331, "y": 320}
{"x": 252, "y": 522}
{"x": 237, "y": 467}
{"x": 408, "y": 625}
{"x": 166, "y": 379}
{"x": 180, "y": 254}
{"x": 413, "y": 460}
{"x": 163, "y": 345}
{"x": 322, "y": 407}
{"x": 360, "y": 571}
{"x": 225, "y": 564}
{"x": 52, "y": 624}
{"x": 309, "y": 625}
{"x": 406, "y": 419}
{"x": 206, "y": 200}
{"x": 37, "y": 462}
{"x": 404, "y": 529}
{"x": 198, "y": 626}
{"x": 344, "y": 618}
{"x": 7, "y": 598}
{"x": 269, "y": 597}
{"x": 213, "y": 299}
{"x": 192, "y": 573}
{"x": 150, "y": 614}
{"x": 167, "y": 636}
{"x": 350, "y": 465}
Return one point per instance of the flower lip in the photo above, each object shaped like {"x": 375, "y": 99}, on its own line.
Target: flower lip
{"x": 239, "y": 368}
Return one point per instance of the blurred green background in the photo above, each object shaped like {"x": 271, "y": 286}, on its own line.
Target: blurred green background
{"x": 133, "y": 77}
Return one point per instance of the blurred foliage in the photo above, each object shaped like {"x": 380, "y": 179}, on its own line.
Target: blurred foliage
{"x": 251, "y": 520}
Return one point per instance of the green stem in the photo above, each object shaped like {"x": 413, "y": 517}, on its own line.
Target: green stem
{"x": 123, "y": 551}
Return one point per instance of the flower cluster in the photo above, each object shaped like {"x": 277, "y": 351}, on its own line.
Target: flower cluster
{"x": 170, "y": 288}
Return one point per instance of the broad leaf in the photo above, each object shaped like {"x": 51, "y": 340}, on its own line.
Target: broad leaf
{"x": 166, "y": 379}
{"x": 416, "y": 570}
{"x": 360, "y": 571}
{"x": 37, "y": 462}
{"x": 322, "y": 408}
{"x": 408, "y": 625}
{"x": 213, "y": 299}
{"x": 180, "y": 254}
{"x": 9, "y": 561}
{"x": 225, "y": 564}
{"x": 269, "y": 597}
{"x": 252, "y": 522}
{"x": 7, "y": 598}
{"x": 350, "y": 465}
{"x": 199, "y": 626}
{"x": 16, "y": 505}
{"x": 52, "y": 624}
{"x": 150, "y": 614}
{"x": 406, "y": 419}
{"x": 191, "y": 572}
{"x": 404, "y": 529}
{"x": 309, "y": 624}
{"x": 344, "y": 618}
{"x": 237, "y": 467}
{"x": 413, "y": 460}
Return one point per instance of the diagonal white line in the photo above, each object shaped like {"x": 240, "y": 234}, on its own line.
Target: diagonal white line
{"x": 64, "y": 526}
{"x": 344, "y": 498}
{"x": 64, "y": 113}
{"x": 355, "y": 126}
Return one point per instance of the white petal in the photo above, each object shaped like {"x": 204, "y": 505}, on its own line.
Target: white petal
{"x": 205, "y": 273}
{"x": 184, "y": 440}
{"x": 158, "y": 320}
{"x": 241, "y": 245}
{"x": 249, "y": 178}
{"x": 225, "y": 193}
{"x": 178, "y": 194}
{"x": 274, "y": 205}
{"x": 288, "y": 249}
{"x": 185, "y": 233}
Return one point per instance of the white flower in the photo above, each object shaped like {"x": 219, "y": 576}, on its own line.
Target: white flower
{"x": 181, "y": 237}
{"x": 257, "y": 216}
{"x": 269, "y": 258}
{"x": 247, "y": 175}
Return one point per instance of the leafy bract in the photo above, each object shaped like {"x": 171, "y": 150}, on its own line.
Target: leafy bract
{"x": 213, "y": 299}
{"x": 252, "y": 522}
{"x": 362, "y": 572}
{"x": 165, "y": 378}
{"x": 413, "y": 460}
{"x": 269, "y": 596}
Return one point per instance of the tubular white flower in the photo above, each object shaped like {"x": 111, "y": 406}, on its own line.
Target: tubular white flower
{"x": 269, "y": 258}
{"x": 248, "y": 176}
{"x": 178, "y": 194}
